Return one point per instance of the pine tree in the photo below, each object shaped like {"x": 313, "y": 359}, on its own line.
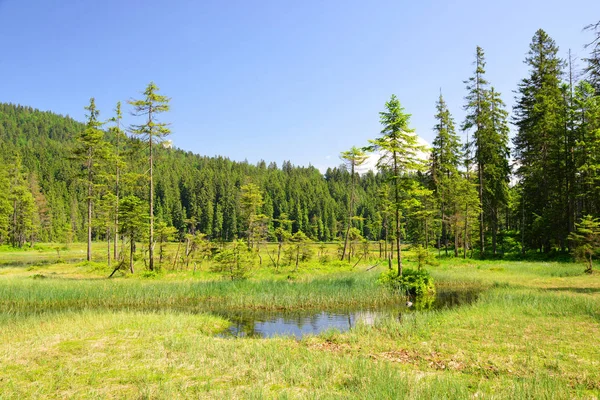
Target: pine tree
{"x": 399, "y": 155}
{"x": 154, "y": 132}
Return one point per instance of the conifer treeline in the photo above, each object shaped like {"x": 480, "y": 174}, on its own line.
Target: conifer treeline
{"x": 464, "y": 200}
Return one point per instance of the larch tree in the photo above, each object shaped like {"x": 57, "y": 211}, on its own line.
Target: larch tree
{"x": 118, "y": 136}
{"x": 398, "y": 149}
{"x": 353, "y": 158}
{"x": 154, "y": 132}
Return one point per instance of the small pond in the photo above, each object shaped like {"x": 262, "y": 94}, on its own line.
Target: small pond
{"x": 266, "y": 324}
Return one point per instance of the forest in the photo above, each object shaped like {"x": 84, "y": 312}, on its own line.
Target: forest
{"x": 474, "y": 193}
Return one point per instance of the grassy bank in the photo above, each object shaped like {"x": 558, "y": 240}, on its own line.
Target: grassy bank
{"x": 532, "y": 333}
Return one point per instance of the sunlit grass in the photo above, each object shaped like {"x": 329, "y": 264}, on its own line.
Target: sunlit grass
{"x": 66, "y": 331}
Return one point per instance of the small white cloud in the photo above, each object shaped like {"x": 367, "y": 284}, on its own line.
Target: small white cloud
{"x": 371, "y": 163}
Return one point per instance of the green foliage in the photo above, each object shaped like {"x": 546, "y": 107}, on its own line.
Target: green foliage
{"x": 415, "y": 283}
{"x": 399, "y": 150}
{"x": 486, "y": 115}
{"x": 153, "y": 132}
{"x": 540, "y": 146}
{"x": 235, "y": 262}
{"x": 422, "y": 257}
{"x": 586, "y": 240}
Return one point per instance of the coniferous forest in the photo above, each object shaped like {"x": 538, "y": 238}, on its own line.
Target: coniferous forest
{"x": 474, "y": 190}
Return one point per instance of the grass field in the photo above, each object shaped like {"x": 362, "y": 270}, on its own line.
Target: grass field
{"x": 66, "y": 331}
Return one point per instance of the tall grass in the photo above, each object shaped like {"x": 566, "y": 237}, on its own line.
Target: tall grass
{"x": 26, "y": 296}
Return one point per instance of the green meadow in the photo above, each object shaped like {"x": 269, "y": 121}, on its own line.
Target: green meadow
{"x": 67, "y": 331}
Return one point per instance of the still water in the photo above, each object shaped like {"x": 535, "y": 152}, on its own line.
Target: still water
{"x": 266, "y": 324}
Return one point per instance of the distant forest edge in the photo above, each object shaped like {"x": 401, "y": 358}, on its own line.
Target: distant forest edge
{"x": 54, "y": 170}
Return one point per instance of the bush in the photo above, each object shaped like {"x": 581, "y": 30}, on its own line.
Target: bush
{"x": 150, "y": 274}
{"x": 235, "y": 262}
{"x": 412, "y": 282}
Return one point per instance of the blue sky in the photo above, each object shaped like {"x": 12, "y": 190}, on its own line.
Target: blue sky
{"x": 273, "y": 80}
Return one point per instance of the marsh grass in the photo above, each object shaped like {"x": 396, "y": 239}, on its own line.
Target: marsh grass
{"x": 24, "y": 296}
{"x": 531, "y": 333}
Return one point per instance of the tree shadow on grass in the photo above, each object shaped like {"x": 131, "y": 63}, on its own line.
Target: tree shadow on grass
{"x": 590, "y": 290}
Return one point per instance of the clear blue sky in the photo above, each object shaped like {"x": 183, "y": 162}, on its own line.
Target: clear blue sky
{"x": 273, "y": 80}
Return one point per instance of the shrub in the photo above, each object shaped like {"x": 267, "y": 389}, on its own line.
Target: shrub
{"x": 412, "y": 282}
{"x": 235, "y": 262}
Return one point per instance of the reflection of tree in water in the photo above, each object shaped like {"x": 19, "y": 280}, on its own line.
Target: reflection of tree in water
{"x": 298, "y": 324}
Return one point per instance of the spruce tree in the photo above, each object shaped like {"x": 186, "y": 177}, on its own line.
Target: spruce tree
{"x": 486, "y": 114}
{"x": 90, "y": 150}
{"x": 586, "y": 107}
{"x": 478, "y": 117}
{"x": 539, "y": 116}
{"x": 399, "y": 149}
{"x": 497, "y": 169}
{"x": 593, "y": 60}
{"x": 445, "y": 159}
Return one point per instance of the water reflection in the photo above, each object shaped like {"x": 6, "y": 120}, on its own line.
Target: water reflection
{"x": 297, "y": 324}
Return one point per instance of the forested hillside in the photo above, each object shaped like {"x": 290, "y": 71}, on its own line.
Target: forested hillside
{"x": 57, "y": 172}
{"x": 45, "y": 185}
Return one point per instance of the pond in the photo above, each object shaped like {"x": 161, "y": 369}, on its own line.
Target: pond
{"x": 266, "y": 324}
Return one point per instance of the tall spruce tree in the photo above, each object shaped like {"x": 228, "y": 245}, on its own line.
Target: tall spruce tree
{"x": 497, "y": 169}
{"x": 90, "y": 150}
{"x": 445, "y": 159}
{"x": 486, "y": 114}
{"x": 539, "y": 117}
{"x": 154, "y": 132}
{"x": 586, "y": 107}
{"x": 478, "y": 117}
{"x": 593, "y": 60}
{"x": 399, "y": 150}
